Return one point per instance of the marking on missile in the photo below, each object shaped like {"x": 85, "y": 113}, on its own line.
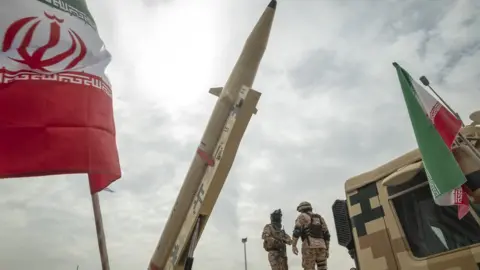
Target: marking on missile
{"x": 243, "y": 90}
{"x": 198, "y": 199}
{"x": 234, "y": 111}
{"x": 219, "y": 153}
{"x": 236, "y": 108}
{"x": 240, "y": 103}
{"x": 203, "y": 155}
{"x": 174, "y": 255}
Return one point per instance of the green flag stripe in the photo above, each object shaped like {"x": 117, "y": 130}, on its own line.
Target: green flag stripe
{"x": 443, "y": 170}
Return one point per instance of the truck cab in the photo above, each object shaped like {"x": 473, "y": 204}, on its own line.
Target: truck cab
{"x": 389, "y": 219}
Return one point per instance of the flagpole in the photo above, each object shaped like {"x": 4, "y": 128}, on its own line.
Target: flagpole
{"x": 244, "y": 241}
{"x": 97, "y": 213}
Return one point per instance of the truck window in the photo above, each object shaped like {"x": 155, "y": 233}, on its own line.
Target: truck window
{"x": 431, "y": 229}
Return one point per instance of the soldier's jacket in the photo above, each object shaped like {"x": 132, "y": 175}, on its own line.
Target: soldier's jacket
{"x": 304, "y": 220}
{"x": 274, "y": 240}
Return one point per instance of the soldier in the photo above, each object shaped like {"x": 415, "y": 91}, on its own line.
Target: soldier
{"x": 275, "y": 240}
{"x": 313, "y": 231}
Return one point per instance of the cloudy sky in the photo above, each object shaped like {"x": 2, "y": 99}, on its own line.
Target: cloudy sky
{"x": 331, "y": 108}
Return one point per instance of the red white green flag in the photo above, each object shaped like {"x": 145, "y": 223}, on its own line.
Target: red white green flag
{"x": 435, "y": 129}
{"x": 56, "y": 112}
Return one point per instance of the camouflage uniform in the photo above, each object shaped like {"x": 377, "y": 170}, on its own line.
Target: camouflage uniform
{"x": 274, "y": 241}
{"x": 314, "y": 250}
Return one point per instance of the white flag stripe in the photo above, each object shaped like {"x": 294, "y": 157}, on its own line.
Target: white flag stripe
{"x": 429, "y": 104}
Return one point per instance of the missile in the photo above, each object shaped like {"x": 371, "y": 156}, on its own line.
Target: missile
{"x": 243, "y": 75}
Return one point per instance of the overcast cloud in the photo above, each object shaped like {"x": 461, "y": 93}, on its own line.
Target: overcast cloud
{"x": 331, "y": 108}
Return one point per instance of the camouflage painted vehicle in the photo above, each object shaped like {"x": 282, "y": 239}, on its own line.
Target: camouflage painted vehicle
{"x": 390, "y": 221}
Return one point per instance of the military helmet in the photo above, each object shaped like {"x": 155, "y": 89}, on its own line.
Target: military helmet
{"x": 277, "y": 212}
{"x": 276, "y": 216}
{"x": 304, "y": 206}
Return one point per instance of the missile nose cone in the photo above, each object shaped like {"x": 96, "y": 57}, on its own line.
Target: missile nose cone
{"x": 272, "y": 4}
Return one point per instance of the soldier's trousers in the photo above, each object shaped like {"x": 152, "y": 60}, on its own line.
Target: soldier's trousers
{"x": 278, "y": 260}
{"x": 312, "y": 257}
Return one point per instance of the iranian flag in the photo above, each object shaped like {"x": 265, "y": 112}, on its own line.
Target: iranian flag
{"x": 56, "y": 112}
{"x": 435, "y": 129}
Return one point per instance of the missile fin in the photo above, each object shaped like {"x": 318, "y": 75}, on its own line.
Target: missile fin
{"x": 215, "y": 91}
{"x": 255, "y": 110}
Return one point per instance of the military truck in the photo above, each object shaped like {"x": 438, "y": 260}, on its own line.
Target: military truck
{"x": 390, "y": 221}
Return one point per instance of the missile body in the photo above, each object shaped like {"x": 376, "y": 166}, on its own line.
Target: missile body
{"x": 213, "y": 180}
{"x": 243, "y": 74}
